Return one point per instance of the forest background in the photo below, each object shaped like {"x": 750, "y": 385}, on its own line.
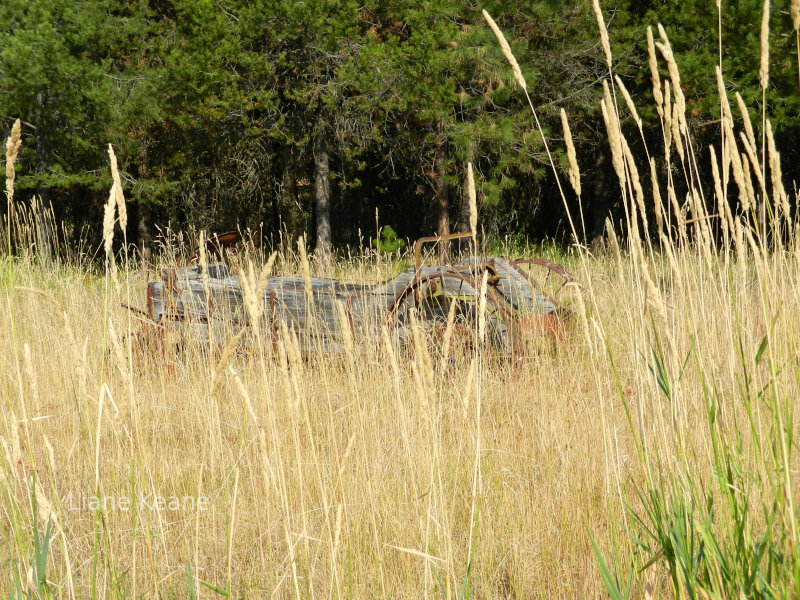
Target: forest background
{"x": 329, "y": 118}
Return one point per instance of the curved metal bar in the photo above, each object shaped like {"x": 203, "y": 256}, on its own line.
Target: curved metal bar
{"x": 548, "y": 264}
{"x": 434, "y": 238}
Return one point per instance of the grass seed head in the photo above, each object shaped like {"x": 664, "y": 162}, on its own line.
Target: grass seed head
{"x": 629, "y": 101}
{"x": 778, "y": 191}
{"x": 748, "y": 125}
{"x": 654, "y": 75}
{"x": 12, "y": 151}
{"x": 795, "y": 10}
{"x": 120, "y": 197}
{"x": 501, "y": 39}
{"x": 657, "y": 203}
{"x": 109, "y": 216}
{"x": 601, "y": 25}
{"x": 572, "y": 157}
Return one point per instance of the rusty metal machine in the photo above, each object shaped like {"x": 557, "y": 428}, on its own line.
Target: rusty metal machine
{"x": 521, "y": 303}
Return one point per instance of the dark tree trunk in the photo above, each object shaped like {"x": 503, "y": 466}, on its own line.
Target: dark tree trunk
{"x": 43, "y": 206}
{"x": 45, "y": 225}
{"x": 144, "y": 222}
{"x": 322, "y": 191}
{"x": 145, "y": 232}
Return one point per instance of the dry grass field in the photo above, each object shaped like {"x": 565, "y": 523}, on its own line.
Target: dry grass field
{"x": 377, "y": 474}
{"x": 651, "y": 453}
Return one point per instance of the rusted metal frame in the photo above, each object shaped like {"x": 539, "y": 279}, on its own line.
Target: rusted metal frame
{"x": 551, "y": 267}
{"x": 217, "y": 243}
{"x": 433, "y": 238}
{"x": 495, "y": 300}
{"x": 418, "y": 280}
{"x": 136, "y": 311}
{"x": 543, "y": 262}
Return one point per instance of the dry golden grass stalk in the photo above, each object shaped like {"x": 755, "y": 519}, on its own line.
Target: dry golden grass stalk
{"x": 119, "y": 353}
{"x": 657, "y": 203}
{"x": 109, "y": 216}
{"x": 521, "y": 80}
{"x": 612, "y": 239}
{"x": 701, "y": 220}
{"x": 629, "y": 102}
{"x": 201, "y": 242}
{"x": 422, "y": 353}
{"x": 751, "y": 154}
{"x": 12, "y": 151}
{"x": 583, "y": 315}
{"x": 574, "y": 171}
{"x": 448, "y": 333}
{"x": 763, "y": 69}
{"x": 388, "y": 347}
{"x": 636, "y": 182}
{"x": 224, "y": 359}
{"x": 306, "y": 268}
{"x": 253, "y": 290}
{"x": 778, "y": 191}
{"x": 666, "y": 244}
{"x": 676, "y": 130}
{"x": 726, "y": 217}
{"x": 674, "y": 75}
{"x": 473, "y": 203}
{"x": 29, "y": 372}
{"x": 654, "y": 75}
{"x": 667, "y": 120}
{"x": 501, "y": 39}
{"x": 44, "y": 508}
{"x": 14, "y": 448}
{"x": 120, "y": 197}
{"x": 749, "y": 190}
{"x": 601, "y": 25}
{"x": 751, "y": 241}
{"x": 741, "y": 251}
{"x": 795, "y": 10}
{"x": 612, "y": 126}
{"x": 725, "y": 104}
{"x": 239, "y": 385}
{"x": 731, "y": 153}
{"x": 676, "y": 210}
{"x": 422, "y": 395}
{"x": 347, "y": 336}
{"x": 653, "y": 294}
{"x": 467, "y": 390}
{"x": 482, "y": 308}
{"x": 748, "y": 125}
{"x": 295, "y": 356}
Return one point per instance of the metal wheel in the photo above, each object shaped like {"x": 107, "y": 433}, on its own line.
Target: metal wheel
{"x": 429, "y": 301}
